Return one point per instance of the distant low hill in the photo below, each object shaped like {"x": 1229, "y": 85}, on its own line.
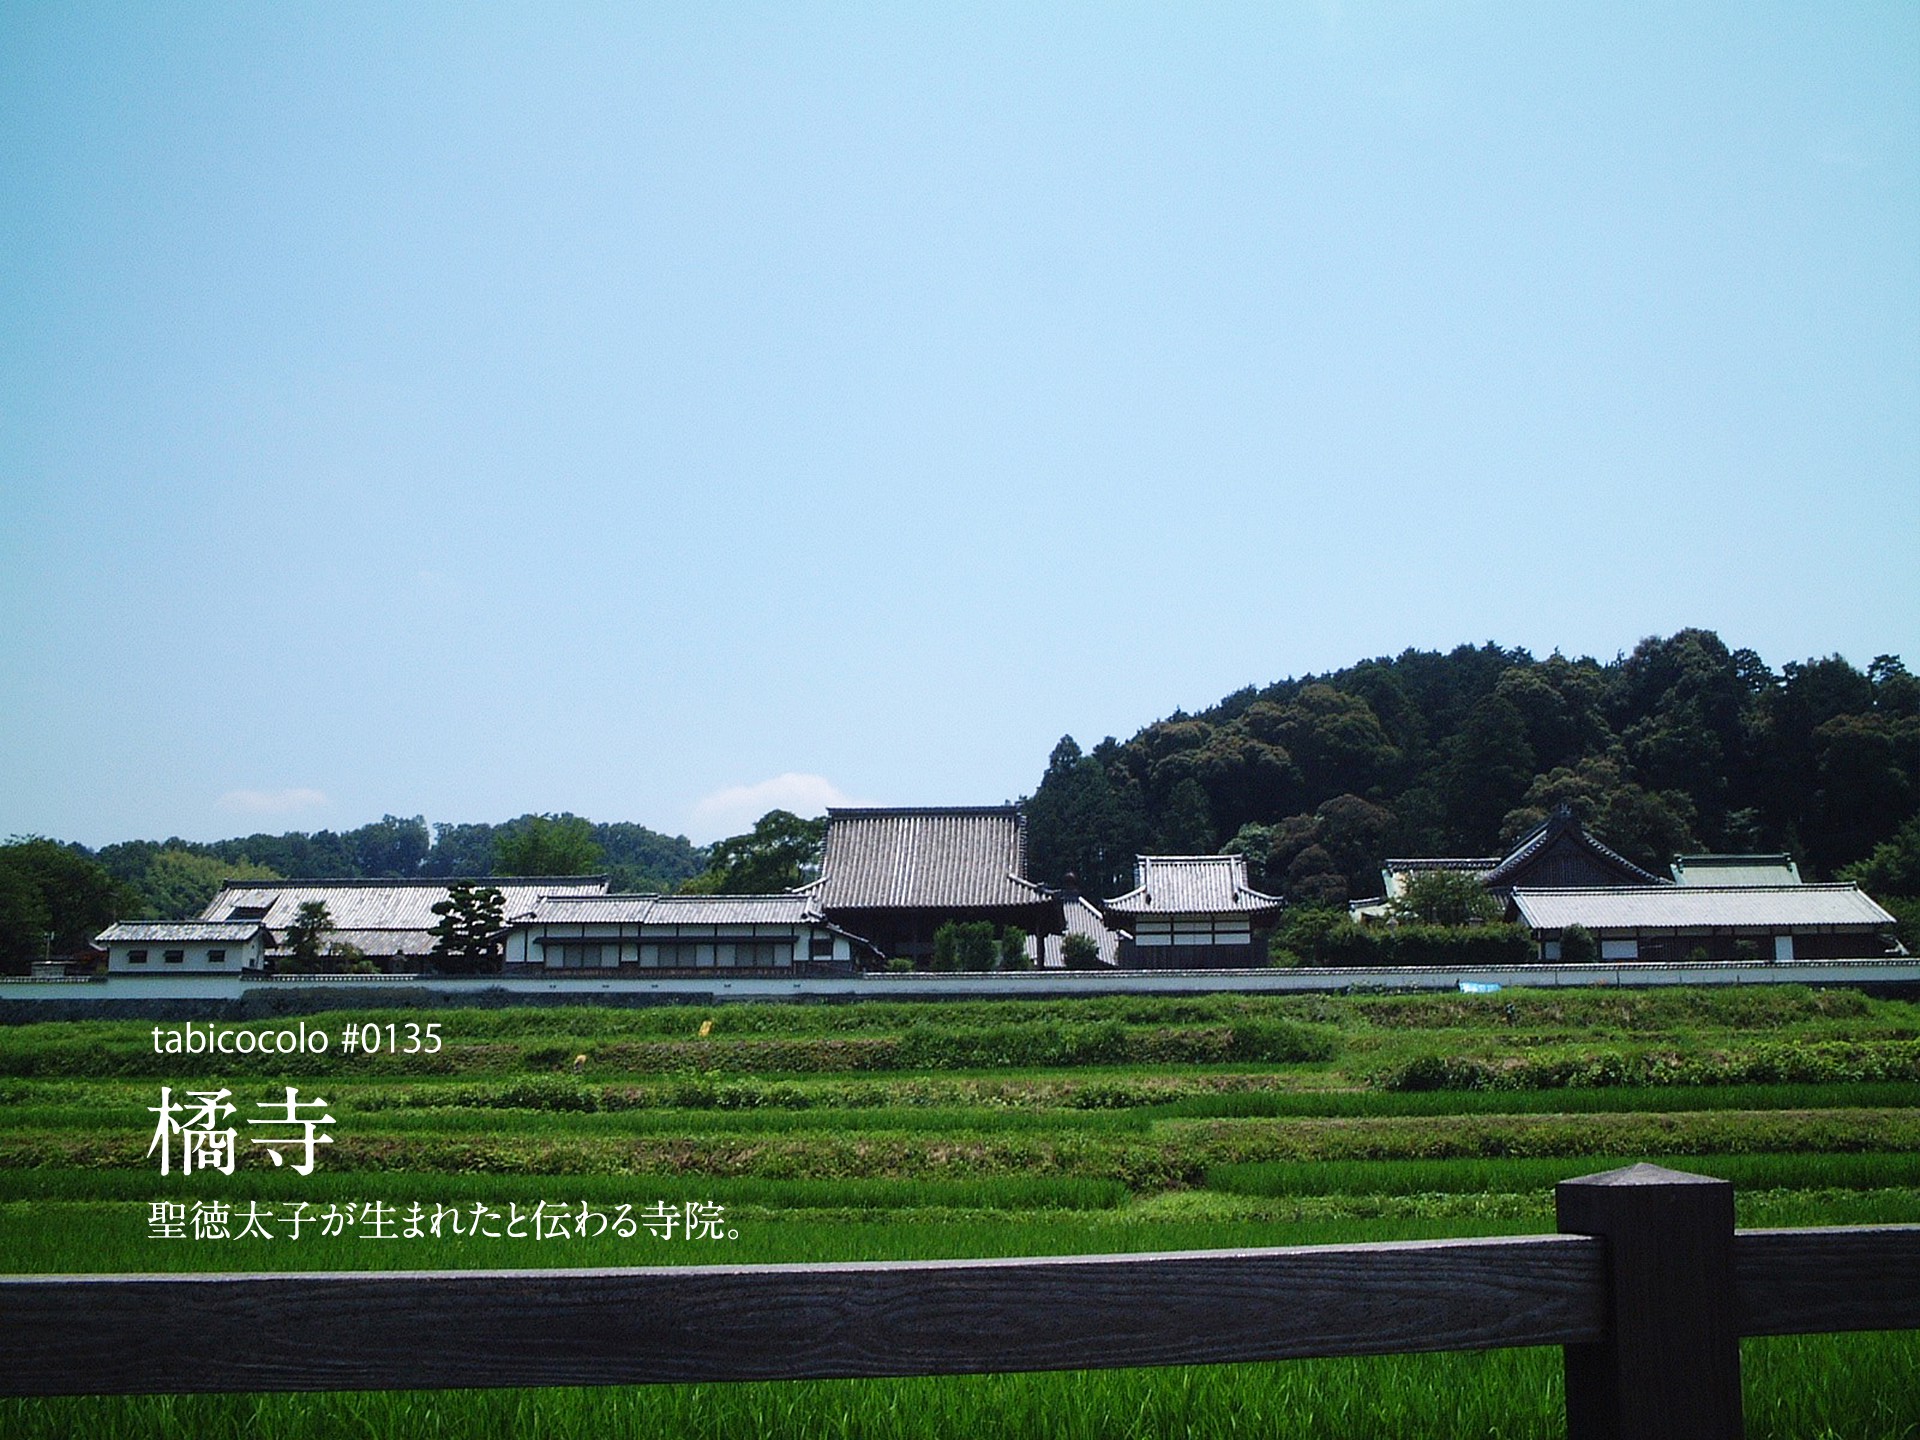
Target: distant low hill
{"x": 1683, "y": 745}
{"x": 175, "y": 878}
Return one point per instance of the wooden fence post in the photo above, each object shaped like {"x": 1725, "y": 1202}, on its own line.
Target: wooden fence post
{"x": 1669, "y": 1365}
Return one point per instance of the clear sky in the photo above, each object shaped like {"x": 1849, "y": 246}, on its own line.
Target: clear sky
{"x": 663, "y": 412}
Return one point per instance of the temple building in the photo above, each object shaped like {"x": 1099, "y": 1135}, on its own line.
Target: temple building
{"x": 389, "y": 921}
{"x": 1675, "y": 923}
{"x": 586, "y": 934}
{"x": 180, "y": 947}
{"x": 1192, "y": 912}
{"x": 1556, "y": 853}
{"x": 895, "y": 876}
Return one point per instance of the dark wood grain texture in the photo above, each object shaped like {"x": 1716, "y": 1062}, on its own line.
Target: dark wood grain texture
{"x": 1646, "y": 1298}
{"x": 412, "y": 1329}
{"x": 1668, "y": 1364}
{"x": 1802, "y": 1282}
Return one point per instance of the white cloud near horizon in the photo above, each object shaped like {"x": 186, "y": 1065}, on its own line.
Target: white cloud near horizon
{"x": 272, "y": 802}
{"x": 733, "y": 810}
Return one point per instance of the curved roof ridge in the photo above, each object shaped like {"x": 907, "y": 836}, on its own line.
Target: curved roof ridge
{"x": 1562, "y": 822}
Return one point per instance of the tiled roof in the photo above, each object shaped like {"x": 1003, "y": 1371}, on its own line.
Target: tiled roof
{"x": 1191, "y": 885}
{"x": 1562, "y": 823}
{"x": 159, "y": 932}
{"x": 1701, "y": 907}
{"x": 1735, "y": 870}
{"x": 959, "y": 858}
{"x": 385, "y": 905}
{"x": 734, "y": 910}
{"x": 676, "y": 910}
{"x": 1083, "y": 918}
{"x": 382, "y": 942}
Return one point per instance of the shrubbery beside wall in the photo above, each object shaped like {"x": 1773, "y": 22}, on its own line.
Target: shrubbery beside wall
{"x": 1348, "y": 944}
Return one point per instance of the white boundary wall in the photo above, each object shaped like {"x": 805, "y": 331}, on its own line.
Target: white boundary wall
{"x": 349, "y": 989}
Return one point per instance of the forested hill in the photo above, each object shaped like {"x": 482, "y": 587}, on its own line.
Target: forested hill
{"x": 1682, "y": 746}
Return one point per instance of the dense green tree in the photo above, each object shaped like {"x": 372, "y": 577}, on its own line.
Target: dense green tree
{"x": 1082, "y": 828}
{"x": 323, "y": 855}
{"x": 1577, "y": 945}
{"x": 641, "y": 859}
{"x": 781, "y": 852}
{"x": 1444, "y": 897}
{"x": 1314, "y": 878}
{"x": 1647, "y": 829}
{"x": 26, "y": 924}
{"x": 1010, "y": 950}
{"x": 460, "y": 850}
{"x": 1186, "y": 824}
{"x": 1686, "y": 701}
{"x": 1355, "y": 833}
{"x": 1325, "y": 858}
{"x": 1378, "y": 682}
{"x": 127, "y": 860}
{"x": 1243, "y": 778}
{"x": 179, "y": 884}
{"x": 965, "y": 945}
{"x": 1683, "y": 745}
{"x": 635, "y": 857}
{"x": 1301, "y": 936}
{"x": 391, "y": 846}
{"x": 466, "y": 937}
{"x": 1332, "y": 739}
{"x": 1896, "y": 691}
{"x": 1562, "y": 703}
{"x": 1487, "y": 772}
{"x": 1866, "y": 767}
{"x": 1080, "y": 952}
{"x": 546, "y": 845}
{"x": 1893, "y": 869}
{"x": 306, "y": 937}
{"x": 53, "y": 900}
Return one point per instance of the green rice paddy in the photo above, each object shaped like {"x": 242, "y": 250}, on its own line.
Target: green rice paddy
{"x": 884, "y": 1131}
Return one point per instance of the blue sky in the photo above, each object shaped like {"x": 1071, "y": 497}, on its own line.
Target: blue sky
{"x": 665, "y": 412}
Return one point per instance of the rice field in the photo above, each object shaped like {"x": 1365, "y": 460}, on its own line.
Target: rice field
{"x": 881, "y": 1131}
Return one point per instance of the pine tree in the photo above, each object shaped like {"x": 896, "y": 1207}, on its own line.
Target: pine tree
{"x": 467, "y": 935}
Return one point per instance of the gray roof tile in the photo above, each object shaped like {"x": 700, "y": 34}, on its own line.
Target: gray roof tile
{"x": 1562, "y": 824}
{"x": 677, "y": 910}
{"x": 958, "y": 858}
{"x": 1191, "y": 885}
{"x": 1735, "y": 870}
{"x": 384, "y": 905}
{"x": 1083, "y": 917}
{"x": 1699, "y": 907}
{"x": 160, "y": 932}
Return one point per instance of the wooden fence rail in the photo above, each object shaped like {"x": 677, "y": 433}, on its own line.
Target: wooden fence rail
{"x": 1649, "y": 1289}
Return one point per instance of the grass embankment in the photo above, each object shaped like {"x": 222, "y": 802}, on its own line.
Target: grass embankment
{"x": 883, "y": 1131}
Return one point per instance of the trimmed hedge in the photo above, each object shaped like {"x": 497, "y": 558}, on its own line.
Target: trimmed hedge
{"x": 1437, "y": 945}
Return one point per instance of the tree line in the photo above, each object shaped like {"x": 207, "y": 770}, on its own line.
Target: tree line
{"x": 55, "y": 897}
{"x": 1682, "y": 746}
